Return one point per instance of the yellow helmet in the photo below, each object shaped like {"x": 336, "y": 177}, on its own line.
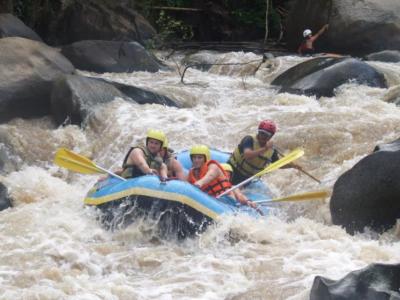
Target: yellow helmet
{"x": 201, "y": 150}
{"x": 165, "y": 143}
{"x": 155, "y": 134}
{"x": 227, "y": 167}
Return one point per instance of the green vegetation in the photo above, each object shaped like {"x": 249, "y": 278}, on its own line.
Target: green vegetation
{"x": 244, "y": 15}
{"x": 171, "y": 29}
{"x": 174, "y": 19}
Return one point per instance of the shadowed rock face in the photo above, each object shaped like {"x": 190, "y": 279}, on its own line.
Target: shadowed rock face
{"x": 142, "y": 96}
{"x": 28, "y": 69}
{"x": 355, "y": 27}
{"x": 11, "y": 26}
{"x": 385, "y": 56}
{"x": 5, "y": 200}
{"x": 320, "y": 76}
{"x": 368, "y": 195}
{"x": 95, "y": 20}
{"x": 375, "y": 282}
{"x": 74, "y": 97}
{"x": 109, "y": 56}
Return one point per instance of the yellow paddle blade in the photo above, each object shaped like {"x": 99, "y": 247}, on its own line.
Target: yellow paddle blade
{"x": 75, "y": 162}
{"x": 295, "y": 154}
{"x": 317, "y": 195}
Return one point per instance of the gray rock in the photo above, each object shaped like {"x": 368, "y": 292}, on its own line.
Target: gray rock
{"x": 98, "y": 20}
{"x": 385, "y": 56}
{"x": 375, "y": 282}
{"x": 320, "y": 76}
{"x": 110, "y": 56}
{"x": 355, "y": 27}
{"x": 12, "y": 26}
{"x": 143, "y": 96}
{"x": 74, "y": 97}
{"x": 368, "y": 195}
{"x": 28, "y": 69}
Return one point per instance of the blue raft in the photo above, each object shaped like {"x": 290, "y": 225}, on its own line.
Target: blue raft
{"x": 179, "y": 207}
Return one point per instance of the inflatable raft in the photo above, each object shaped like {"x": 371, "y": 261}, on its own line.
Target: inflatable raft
{"x": 179, "y": 207}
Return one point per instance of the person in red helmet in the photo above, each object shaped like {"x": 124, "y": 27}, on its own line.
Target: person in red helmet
{"x": 253, "y": 153}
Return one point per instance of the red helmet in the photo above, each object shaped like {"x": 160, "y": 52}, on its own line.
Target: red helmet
{"x": 267, "y": 126}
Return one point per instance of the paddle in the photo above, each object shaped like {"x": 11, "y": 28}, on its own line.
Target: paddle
{"x": 317, "y": 195}
{"x": 295, "y": 154}
{"x": 72, "y": 161}
{"x": 299, "y": 167}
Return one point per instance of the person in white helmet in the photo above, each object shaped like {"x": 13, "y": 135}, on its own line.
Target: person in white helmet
{"x": 307, "y": 46}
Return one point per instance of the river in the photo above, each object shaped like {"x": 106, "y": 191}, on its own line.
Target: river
{"x": 52, "y": 247}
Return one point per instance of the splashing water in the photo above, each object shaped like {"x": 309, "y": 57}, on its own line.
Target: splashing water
{"x": 53, "y": 247}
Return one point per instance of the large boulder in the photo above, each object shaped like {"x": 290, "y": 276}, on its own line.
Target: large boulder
{"x": 320, "y": 76}
{"x": 355, "y": 27}
{"x": 110, "y": 56}
{"x": 74, "y": 97}
{"x": 12, "y": 26}
{"x": 97, "y": 20}
{"x": 375, "y": 282}
{"x": 368, "y": 195}
{"x": 28, "y": 69}
{"x": 143, "y": 96}
{"x": 385, "y": 56}
{"x": 5, "y": 200}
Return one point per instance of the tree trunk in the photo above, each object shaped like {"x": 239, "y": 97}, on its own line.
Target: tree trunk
{"x": 266, "y": 23}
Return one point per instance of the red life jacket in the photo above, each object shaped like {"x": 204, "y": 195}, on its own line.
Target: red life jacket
{"x": 216, "y": 186}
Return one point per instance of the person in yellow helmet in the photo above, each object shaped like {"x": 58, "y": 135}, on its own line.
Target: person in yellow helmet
{"x": 207, "y": 174}
{"x": 175, "y": 169}
{"x": 237, "y": 192}
{"x": 145, "y": 159}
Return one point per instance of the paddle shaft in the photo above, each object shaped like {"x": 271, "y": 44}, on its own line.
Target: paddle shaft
{"x": 111, "y": 173}
{"x": 78, "y": 163}
{"x": 308, "y": 174}
{"x": 275, "y": 165}
{"x": 238, "y": 185}
{"x": 316, "y": 195}
{"x": 299, "y": 167}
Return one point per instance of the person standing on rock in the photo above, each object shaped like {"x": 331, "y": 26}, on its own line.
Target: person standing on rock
{"x": 307, "y": 46}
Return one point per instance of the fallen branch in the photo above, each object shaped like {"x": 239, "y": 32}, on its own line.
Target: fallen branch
{"x": 215, "y": 64}
{"x": 176, "y": 8}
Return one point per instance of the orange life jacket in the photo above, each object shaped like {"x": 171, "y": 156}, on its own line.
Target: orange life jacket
{"x": 216, "y": 186}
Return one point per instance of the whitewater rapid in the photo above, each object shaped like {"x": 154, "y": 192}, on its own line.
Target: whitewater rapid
{"x": 53, "y": 248}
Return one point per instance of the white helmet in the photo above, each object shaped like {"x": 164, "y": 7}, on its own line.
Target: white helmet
{"x": 307, "y": 32}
